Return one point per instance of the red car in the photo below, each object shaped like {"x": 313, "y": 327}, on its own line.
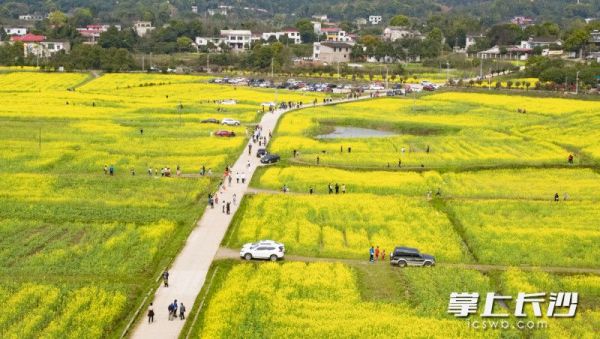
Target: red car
{"x": 225, "y": 133}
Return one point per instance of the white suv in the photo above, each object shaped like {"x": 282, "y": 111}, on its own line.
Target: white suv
{"x": 230, "y": 122}
{"x": 264, "y": 249}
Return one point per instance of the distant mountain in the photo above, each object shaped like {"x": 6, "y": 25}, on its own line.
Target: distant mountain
{"x": 490, "y": 11}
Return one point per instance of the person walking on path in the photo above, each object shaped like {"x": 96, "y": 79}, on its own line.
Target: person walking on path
{"x": 310, "y": 190}
{"x": 229, "y": 179}
{"x": 570, "y": 159}
{"x": 371, "y": 254}
{"x": 318, "y": 160}
{"x": 105, "y": 169}
{"x": 150, "y": 314}
{"x": 175, "y": 308}
{"x": 243, "y": 177}
{"x": 111, "y": 170}
{"x": 237, "y": 177}
{"x": 249, "y": 149}
{"x": 383, "y": 255}
{"x": 343, "y": 189}
{"x": 228, "y": 207}
{"x": 170, "y": 308}
{"x": 165, "y": 277}
{"x": 330, "y": 188}
{"x": 556, "y": 197}
{"x": 181, "y": 311}
{"x": 377, "y": 253}
{"x": 337, "y": 188}
{"x": 234, "y": 199}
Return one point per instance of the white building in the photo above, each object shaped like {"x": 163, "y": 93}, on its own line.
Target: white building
{"x": 291, "y": 33}
{"x": 393, "y": 33}
{"x": 320, "y": 17}
{"x": 218, "y": 11}
{"x": 31, "y": 17}
{"x": 237, "y": 39}
{"x": 317, "y": 27}
{"x": 195, "y": 9}
{"x": 471, "y": 40}
{"x": 595, "y": 36}
{"x": 360, "y": 21}
{"x": 375, "y": 19}
{"x": 45, "y": 49}
{"x": 15, "y": 31}
{"x": 532, "y": 43}
{"x": 143, "y": 27}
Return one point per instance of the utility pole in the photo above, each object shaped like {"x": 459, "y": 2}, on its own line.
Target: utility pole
{"x": 481, "y": 69}
{"x": 577, "y": 82}
{"x": 447, "y": 71}
{"x": 490, "y": 80}
{"x": 387, "y": 76}
{"x": 272, "y": 60}
{"x": 143, "y": 57}
{"x": 207, "y": 62}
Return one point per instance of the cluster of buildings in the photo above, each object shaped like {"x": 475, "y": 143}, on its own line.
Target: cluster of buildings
{"x": 39, "y": 46}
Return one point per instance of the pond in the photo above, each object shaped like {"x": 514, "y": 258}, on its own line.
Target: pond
{"x": 355, "y": 132}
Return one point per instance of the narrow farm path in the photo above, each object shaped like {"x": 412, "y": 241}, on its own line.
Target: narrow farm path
{"x": 188, "y": 272}
{"x": 229, "y": 253}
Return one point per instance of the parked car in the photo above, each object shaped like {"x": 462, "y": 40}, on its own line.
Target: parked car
{"x": 230, "y": 122}
{"x": 264, "y": 249}
{"x": 429, "y": 88}
{"x": 376, "y": 87}
{"x": 406, "y": 256}
{"x": 270, "y": 159}
{"x": 210, "y": 121}
{"x": 225, "y": 133}
{"x": 261, "y": 152}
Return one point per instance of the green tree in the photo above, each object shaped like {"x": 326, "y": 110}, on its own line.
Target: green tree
{"x": 576, "y": 40}
{"x": 399, "y": 20}
{"x": 81, "y": 17}
{"x": 184, "y": 44}
{"x": 57, "y": 18}
{"x": 307, "y": 32}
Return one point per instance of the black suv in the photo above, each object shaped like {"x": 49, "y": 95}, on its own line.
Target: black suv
{"x": 270, "y": 159}
{"x": 406, "y": 256}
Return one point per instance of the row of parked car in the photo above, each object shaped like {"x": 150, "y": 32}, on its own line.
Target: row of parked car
{"x": 272, "y": 250}
{"x": 293, "y": 84}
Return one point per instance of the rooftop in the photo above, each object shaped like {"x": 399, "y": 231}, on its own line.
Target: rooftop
{"x": 28, "y": 38}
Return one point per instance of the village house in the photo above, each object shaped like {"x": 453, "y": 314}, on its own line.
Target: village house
{"x": 522, "y": 21}
{"x": 509, "y": 52}
{"x": 237, "y": 39}
{"x": 394, "y": 33}
{"x": 15, "y": 31}
{"x": 217, "y": 11}
{"x": 375, "y": 19}
{"x": 36, "y": 45}
{"x": 291, "y": 33}
{"x": 543, "y": 42}
{"x": 329, "y": 52}
{"x": 32, "y": 17}
{"x": 595, "y": 37}
{"x": 143, "y": 27}
{"x": 91, "y": 33}
{"x": 336, "y": 34}
{"x": 472, "y": 39}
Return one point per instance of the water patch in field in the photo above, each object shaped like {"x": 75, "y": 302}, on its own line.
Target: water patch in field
{"x": 355, "y": 132}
